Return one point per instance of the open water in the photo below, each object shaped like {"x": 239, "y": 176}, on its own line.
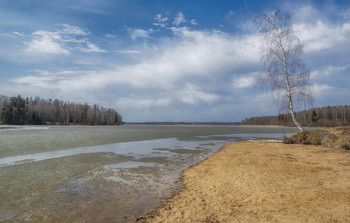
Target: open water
{"x": 103, "y": 173}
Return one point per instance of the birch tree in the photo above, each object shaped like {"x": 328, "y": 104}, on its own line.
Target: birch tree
{"x": 285, "y": 74}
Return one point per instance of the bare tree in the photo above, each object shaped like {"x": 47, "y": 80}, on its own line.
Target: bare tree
{"x": 284, "y": 74}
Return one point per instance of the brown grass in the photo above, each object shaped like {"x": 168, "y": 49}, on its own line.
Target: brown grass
{"x": 338, "y": 137}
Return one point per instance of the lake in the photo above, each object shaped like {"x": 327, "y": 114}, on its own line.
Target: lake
{"x": 103, "y": 173}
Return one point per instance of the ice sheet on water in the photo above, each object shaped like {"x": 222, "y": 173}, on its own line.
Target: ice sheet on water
{"x": 16, "y": 127}
{"x": 138, "y": 149}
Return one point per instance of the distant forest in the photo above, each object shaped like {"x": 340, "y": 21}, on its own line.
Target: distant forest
{"x": 37, "y": 111}
{"x": 330, "y": 116}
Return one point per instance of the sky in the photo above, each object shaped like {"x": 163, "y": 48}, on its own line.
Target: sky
{"x": 165, "y": 60}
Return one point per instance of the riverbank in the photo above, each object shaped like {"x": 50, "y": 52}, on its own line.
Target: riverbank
{"x": 264, "y": 182}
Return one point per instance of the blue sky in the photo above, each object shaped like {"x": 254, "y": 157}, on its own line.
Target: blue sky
{"x": 169, "y": 60}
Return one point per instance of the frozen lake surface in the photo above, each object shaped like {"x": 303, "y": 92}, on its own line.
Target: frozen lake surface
{"x": 102, "y": 173}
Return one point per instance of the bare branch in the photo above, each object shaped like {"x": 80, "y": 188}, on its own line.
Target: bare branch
{"x": 284, "y": 70}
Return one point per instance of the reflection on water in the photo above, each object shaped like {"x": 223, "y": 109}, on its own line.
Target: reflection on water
{"x": 102, "y": 174}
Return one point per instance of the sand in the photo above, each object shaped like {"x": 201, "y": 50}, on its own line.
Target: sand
{"x": 264, "y": 182}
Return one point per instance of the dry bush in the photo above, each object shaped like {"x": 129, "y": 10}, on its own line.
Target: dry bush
{"x": 338, "y": 137}
{"x": 344, "y": 130}
{"x": 313, "y": 137}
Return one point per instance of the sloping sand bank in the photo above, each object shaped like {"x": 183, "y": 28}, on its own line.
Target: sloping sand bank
{"x": 264, "y": 182}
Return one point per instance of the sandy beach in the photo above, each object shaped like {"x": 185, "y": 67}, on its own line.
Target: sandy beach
{"x": 263, "y": 182}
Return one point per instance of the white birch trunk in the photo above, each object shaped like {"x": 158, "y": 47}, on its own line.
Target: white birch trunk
{"x": 290, "y": 96}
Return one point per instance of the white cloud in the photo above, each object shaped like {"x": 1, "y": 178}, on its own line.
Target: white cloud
{"x": 49, "y": 79}
{"x": 194, "y": 22}
{"x": 192, "y": 94}
{"x": 37, "y": 81}
{"x": 248, "y": 26}
{"x": 19, "y": 34}
{"x": 177, "y": 67}
{"x": 204, "y": 72}
{"x": 216, "y": 49}
{"x": 137, "y": 102}
{"x": 246, "y": 81}
{"x": 160, "y": 21}
{"x": 46, "y": 42}
{"x": 320, "y": 36}
{"x": 180, "y": 18}
{"x": 321, "y": 89}
{"x": 128, "y": 51}
{"x": 140, "y": 33}
{"x": 345, "y": 13}
{"x": 306, "y": 13}
{"x": 160, "y": 18}
{"x": 159, "y": 24}
{"x": 74, "y": 30}
{"x": 110, "y": 35}
{"x": 188, "y": 94}
{"x": 91, "y": 48}
{"x": 328, "y": 71}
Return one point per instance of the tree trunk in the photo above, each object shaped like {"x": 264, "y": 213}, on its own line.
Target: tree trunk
{"x": 290, "y": 96}
{"x": 293, "y": 115}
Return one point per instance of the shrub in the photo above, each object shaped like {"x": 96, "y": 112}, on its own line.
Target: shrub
{"x": 313, "y": 137}
{"x": 338, "y": 137}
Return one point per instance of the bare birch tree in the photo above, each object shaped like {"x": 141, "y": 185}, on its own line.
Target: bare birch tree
{"x": 285, "y": 74}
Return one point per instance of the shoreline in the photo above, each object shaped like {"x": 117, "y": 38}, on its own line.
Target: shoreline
{"x": 259, "y": 181}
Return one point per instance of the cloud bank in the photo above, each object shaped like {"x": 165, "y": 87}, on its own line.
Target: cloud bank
{"x": 177, "y": 72}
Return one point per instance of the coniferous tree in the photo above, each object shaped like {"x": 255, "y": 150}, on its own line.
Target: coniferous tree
{"x": 37, "y": 111}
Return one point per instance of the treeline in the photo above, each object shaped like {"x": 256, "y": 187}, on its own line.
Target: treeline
{"x": 37, "y": 111}
{"x": 330, "y": 116}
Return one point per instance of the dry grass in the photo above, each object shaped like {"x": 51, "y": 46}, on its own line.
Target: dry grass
{"x": 338, "y": 137}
